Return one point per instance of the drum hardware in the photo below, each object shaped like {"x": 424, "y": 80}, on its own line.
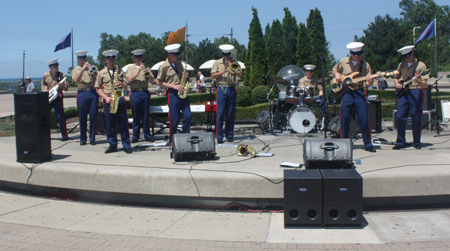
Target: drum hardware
{"x": 308, "y": 95}
{"x": 292, "y": 94}
{"x": 302, "y": 119}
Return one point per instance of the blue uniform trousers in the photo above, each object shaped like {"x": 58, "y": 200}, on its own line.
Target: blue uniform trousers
{"x": 140, "y": 106}
{"x": 226, "y": 107}
{"x": 410, "y": 102}
{"x": 58, "y": 105}
{"x": 175, "y": 105}
{"x": 355, "y": 99}
{"x": 87, "y": 103}
{"x": 112, "y": 119}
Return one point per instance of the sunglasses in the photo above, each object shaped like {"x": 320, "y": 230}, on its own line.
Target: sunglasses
{"x": 309, "y": 70}
{"x": 110, "y": 56}
{"x": 138, "y": 56}
{"x": 407, "y": 55}
{"x": 82, "y": 57}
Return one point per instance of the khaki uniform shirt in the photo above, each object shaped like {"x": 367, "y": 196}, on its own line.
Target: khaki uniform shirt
{"x": 104, "y": 79}
{"x": 167, "y": 73}
{"x": 406, "y": 71}
{"x": 304, "y": 82}
{"x": 51, "y": 81}
{"x": 87, "y": 80}
{"x": 141, "y": 81}
{"x": 345, "y": 67}
{"x": 224, "y": 80}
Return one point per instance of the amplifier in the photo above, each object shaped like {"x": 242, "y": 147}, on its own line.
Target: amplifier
{"x": 193, "y": 146}
{"x": 328, "y": 153}
{"x": 426, "y": 118}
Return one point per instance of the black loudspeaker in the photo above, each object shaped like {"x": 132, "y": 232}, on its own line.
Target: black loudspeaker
{"x": 327, "y": 153}
{"x": 302, "y": 198}
{"x": 335, "y": 125}
{"x": 374, "y": 114}
{"x": 263, "y": 119}
{"x": 32, "y": 118}
{"x": 193, "y": 146}
{"x": 342, "y": 198}
{"x": 427, "y": 98}
{"x": 101, "y": 123}
{"x": 426, "y": 118}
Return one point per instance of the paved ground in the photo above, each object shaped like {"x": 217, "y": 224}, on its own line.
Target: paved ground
{"x": 36, "y": 223}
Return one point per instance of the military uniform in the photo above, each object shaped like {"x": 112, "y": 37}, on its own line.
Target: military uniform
{"x": 140, "y": 102}
{"x": 167, "y": 73}
{"x": 104, "y": 78}
{"x": 354, "y": 99}
{"x": 410, "y": 102}
{"x": 58, "y": 103}
{"x": 87, "y": 103}
{"x": 226, "y": 93}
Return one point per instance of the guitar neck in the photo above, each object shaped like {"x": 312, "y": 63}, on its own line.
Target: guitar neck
{"x": 356, "y": 80}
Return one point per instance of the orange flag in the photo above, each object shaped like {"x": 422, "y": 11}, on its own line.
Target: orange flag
{"x": 177, "y": 36}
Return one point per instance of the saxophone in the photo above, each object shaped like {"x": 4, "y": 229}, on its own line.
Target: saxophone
{"x": 185, "y": 84}
{"x": 117, "y": 93}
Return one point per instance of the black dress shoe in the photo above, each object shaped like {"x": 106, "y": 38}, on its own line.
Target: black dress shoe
{"x": 371, "y": 149}
{"x": 82, "y": 143}
{"x": 398, "y": 147}
{"x": 418, "y": 146}
{"x": 230, "y": 139}
{"x": 150, "y": 139}
{"x": 93, "y": 143}
{"x": 111, "y": 149}
{"x": 127, "y": 150}
{"x": 219, "y": 141}
{"x": 134, "y": 140}
{"x": 64, "y": 139}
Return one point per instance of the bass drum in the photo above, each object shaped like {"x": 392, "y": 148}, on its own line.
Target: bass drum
{"x": 302, "y": 119}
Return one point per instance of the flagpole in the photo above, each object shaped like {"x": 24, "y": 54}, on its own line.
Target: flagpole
{"x": 71, "y": 37}
{"x": 186, "y": 42}
{"x": 435, "y": 44}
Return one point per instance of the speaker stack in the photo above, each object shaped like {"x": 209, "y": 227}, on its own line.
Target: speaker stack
{"x": 328, "y": 193}
{"x": 32, "y": 118}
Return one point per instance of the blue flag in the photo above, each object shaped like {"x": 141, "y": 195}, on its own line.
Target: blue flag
{"x": 64, "y": 43}
{"x": 428, "y": 32}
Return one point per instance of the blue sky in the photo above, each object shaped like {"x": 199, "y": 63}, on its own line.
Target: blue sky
{"x": 37, "y": 26}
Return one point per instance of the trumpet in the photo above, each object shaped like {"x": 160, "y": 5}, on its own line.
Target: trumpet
{"x": 145, "y": 70}
{"x": 234, "y": 68}
{"x": 92, "y": 69}
{"x": 244, "y": 150}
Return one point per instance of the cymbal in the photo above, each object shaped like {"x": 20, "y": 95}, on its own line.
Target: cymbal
{"x": 278, "y": 79}
{"x": 320, "y": 81}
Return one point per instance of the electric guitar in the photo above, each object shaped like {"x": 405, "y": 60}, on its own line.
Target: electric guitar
{"x": 348, "y": 83}
{"x": 407, "y": 83}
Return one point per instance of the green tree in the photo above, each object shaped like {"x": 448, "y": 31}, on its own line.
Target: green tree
{"x": 317, "y": 31}
{"x": 304, "y": 47}
{"x": 290, "y": 30}
{"x": 255, "y": 63}
{"x": 274, "y": 48}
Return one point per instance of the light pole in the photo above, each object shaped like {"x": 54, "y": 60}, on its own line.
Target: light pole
{"x": 414, "y": 33}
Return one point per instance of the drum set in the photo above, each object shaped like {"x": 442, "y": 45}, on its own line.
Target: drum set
{"x": 295, "y": 107}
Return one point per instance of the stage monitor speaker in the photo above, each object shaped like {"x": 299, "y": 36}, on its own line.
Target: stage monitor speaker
{"x": 193, "y": 146}
{"x": 374, "y": 114}
{"x": 426, "y": 118}
{"x": 32, "y": 118}
{"x": 263, "y": 119}
{"x": 342, "y": 198}
{"x": 327, "y": 153}
{"x": 335, "y": 125}
{"x": 101, "y": 123}
{"x": 302, "y": 198}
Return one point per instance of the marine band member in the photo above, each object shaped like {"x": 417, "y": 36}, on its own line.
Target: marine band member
{"x": 139, "y": 77}
{"x": 51, "y": 79}
{"x": 226, "y": 94}
{"x": 357, "y": 98}
{"x": 169, "y": 76}
{"x": 104, "y": 87}
{"x": 84, "y": 76}
{"x": 412, "y": 100}
{"x": 309, "y": 81}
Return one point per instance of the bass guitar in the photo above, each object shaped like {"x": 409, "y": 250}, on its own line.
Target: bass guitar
{"x": 407, "y": 83}
{"x": 349, "y": 83}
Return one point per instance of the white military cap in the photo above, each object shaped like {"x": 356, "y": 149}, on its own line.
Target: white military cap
{"x": 406, "y": 50}
{"x": 53, "y": 62}
{"x": 28, "y": 77}
{"x": 173, "y": 48}
{"x": 110, "y": 53}
{"x": 81, "y": 54}
{"x": 226, "y": 48}
{"x": 138, "y": 52}
{"x": 355, "y": 48}
{"x": 309, "y": 67}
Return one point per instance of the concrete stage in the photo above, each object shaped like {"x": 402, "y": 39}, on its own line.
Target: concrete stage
{"x": 391, "y": 178}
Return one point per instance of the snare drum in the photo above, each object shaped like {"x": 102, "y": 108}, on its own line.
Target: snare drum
{"x": 302, "y": 119}
{"x": 292, "y": 96}
{"x": 308, "y": 95}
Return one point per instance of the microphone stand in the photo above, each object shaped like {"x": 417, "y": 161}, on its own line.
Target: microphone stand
{"x": 435, "y": 119}
{"x": 325, "y": 98}
{"x": 268, "y": 94}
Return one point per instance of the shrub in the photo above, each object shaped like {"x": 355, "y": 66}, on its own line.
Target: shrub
{"x": 259, "y": 94}
{"x": 244, "y": 96}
